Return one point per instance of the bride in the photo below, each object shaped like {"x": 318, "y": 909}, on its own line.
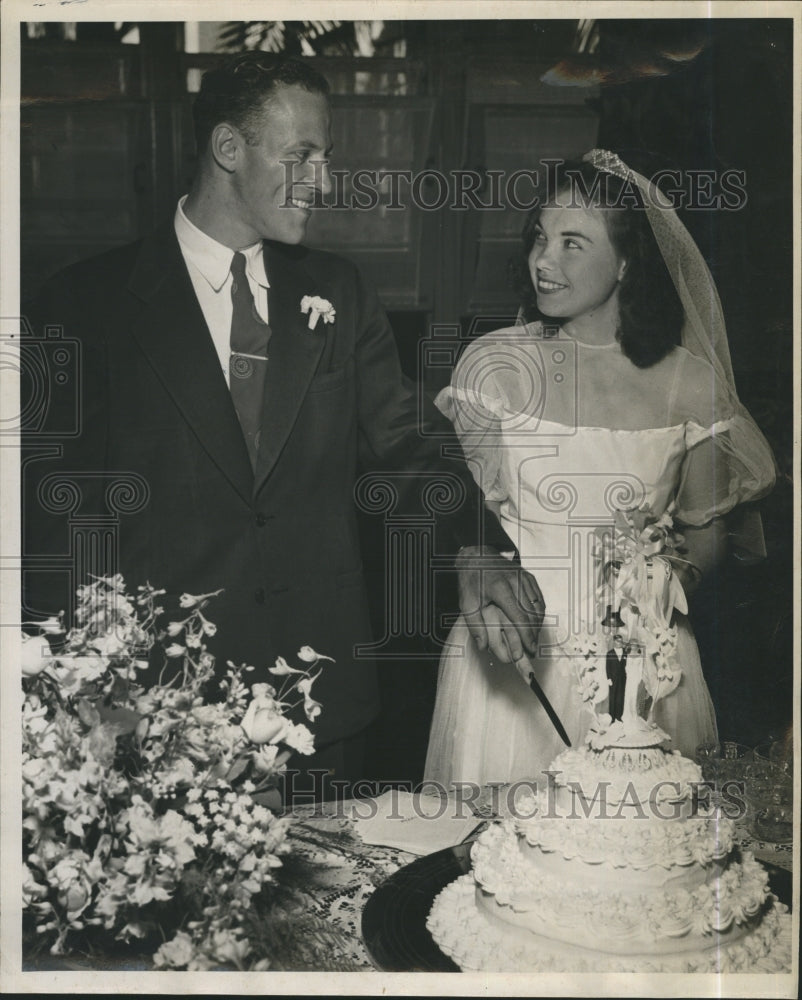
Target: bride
{"x": 616, "y": 394}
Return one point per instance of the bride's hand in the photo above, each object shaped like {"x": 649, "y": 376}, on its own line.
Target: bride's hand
{"x": 502, "y": 604}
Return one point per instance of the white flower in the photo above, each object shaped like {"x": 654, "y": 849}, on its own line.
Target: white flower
{"x": 263, "y": 691}
{"x": 312, "y": 708}
{"x": 585, "y": 644}
{"x": 598, "y": 730}
{"x": 304, "y": 685}
{"x": 109, "y": 644}
{"x": 308, "y": 655}
{"x": 317, "y": 307}
{"x": 264, "y": 759}
{"x": 191, "y": 600}
{"x": 300, "y": 739}
{"x": 174, "y": 629}
{"x": 176, "y": 953}
{"x": 174, "y": 650}
{"x": 179, "y": 772}
{"x": 229, "y": 948}
{"x": 51, "y": 626}
{"x": 31, "y": 889}
{"x": 282, "y": 668}
{"x": 72, "y": 884}
{"x": 262, "y": 723}
{"x": 36, "y": 655}
{"x": 176, "y": 834}
{"x": 86, "y": 668}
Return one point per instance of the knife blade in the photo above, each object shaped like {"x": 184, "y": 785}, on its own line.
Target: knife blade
{"x": 544, "y": 701}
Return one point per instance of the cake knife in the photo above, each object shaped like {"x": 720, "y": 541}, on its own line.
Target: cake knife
{"x": 544, "y": 701}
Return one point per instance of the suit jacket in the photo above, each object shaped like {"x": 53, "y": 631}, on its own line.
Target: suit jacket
{"x": 282, "y": 542}
{"x": 617, "y": 674}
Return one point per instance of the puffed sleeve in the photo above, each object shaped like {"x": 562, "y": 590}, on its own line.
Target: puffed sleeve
{"x": 475, "y": 403}
{"x": 727, "y": 460}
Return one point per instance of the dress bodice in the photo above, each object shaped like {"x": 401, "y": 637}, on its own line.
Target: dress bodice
{"x": 584, "y": 474}
{"x": 560, "y": 435}
{"x": 563, "y": 486}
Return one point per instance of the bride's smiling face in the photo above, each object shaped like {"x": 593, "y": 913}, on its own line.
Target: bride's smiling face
{"x": 574, "y": 267}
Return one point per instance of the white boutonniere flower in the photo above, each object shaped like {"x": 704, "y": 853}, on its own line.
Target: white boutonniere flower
{"x": 317, "y": 308}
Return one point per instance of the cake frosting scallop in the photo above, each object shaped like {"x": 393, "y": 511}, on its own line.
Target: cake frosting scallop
{"x": 613, "y": 866}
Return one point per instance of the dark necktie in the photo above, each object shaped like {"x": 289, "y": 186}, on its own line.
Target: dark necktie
{"x": 249, "y": 339}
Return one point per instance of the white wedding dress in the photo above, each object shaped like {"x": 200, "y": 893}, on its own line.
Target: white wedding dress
{"x": 520, "y": 405}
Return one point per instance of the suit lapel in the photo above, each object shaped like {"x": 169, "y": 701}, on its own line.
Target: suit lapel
{"x": 294, "y": 351}
{"x": 173, "y": 334}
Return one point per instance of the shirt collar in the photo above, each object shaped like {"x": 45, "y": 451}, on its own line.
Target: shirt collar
{"x": 213, "y": 259}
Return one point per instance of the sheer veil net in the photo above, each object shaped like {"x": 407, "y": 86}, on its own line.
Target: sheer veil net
{"x": 704, "y": 334}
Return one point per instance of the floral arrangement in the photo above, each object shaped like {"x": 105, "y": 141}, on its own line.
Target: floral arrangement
{"x": 636, "y": 577}
{"x": 142, "y": 819}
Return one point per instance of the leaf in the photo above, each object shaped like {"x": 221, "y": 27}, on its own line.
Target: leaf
{"x": 236, "y": 769}
{"x": 87, "y": 713}
{"x": 119, "y": 688}
{"x": 285, "y": 929}
{"x": 125, "y": 719}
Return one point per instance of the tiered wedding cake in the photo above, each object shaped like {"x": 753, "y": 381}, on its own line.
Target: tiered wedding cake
{"x": 612, "y": 867}
{"x": 615, "y": 864}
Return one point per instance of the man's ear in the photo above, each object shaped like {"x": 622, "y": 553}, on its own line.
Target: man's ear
{"x": 224, "y": 145}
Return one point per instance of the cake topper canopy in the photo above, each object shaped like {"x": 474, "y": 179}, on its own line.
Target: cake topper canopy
{"x": 638, "y": 591}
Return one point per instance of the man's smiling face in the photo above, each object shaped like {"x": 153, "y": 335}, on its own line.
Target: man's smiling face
{"x": 283, "y": 171}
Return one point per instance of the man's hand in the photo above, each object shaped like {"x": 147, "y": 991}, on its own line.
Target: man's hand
{"x": 501, "y": 603}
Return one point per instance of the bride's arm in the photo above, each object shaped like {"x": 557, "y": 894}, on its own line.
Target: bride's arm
{"x": 705, "y": 548}
{"x": 703, "y": 486}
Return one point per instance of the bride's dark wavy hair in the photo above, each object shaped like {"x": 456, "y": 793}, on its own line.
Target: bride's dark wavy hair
{"x": 650, "y": 310}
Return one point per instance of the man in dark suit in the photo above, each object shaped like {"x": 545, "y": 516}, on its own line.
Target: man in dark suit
{"x": 252, "y": 493}
{"x": 617, "y": 675}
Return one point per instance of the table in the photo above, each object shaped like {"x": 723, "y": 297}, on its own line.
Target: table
{"x": 343, "y": 873}
{"x": 339, "y": 873}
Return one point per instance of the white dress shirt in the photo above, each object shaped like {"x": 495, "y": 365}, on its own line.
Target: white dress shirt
{"x": 209, "y": 266}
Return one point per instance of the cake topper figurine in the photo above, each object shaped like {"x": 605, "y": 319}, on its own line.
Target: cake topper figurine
{"x": 633, "y": 665}
{"x": 616, "y": 670}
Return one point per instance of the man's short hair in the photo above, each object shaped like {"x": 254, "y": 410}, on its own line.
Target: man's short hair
{"x": 235, "y": 92}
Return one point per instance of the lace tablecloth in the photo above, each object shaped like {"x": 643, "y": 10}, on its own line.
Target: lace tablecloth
{"x": 779, "y": 855}
{"x": 341, "y": 873}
